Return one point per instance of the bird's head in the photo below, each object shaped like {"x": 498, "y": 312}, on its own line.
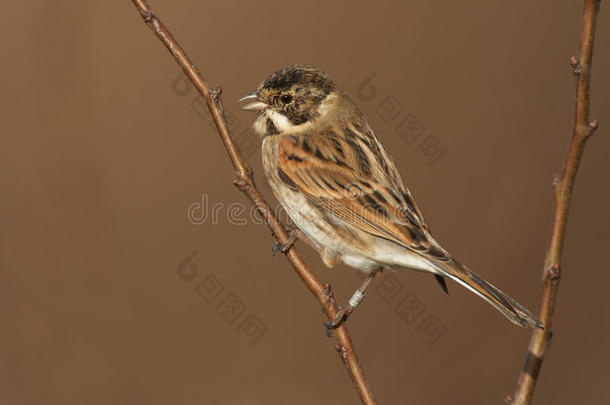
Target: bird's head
{"x": 292, "y": 98}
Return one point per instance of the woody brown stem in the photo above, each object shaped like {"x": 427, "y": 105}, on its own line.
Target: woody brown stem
{"x": 245, "y": 183}
{"x": 583, "y": 128}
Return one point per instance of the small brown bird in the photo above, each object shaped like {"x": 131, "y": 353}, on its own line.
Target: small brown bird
{"x": 342, "y": 189}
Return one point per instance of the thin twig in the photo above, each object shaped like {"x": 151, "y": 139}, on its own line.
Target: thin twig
{"x": 245, "y": 183}
{"x": 583, "y": 128}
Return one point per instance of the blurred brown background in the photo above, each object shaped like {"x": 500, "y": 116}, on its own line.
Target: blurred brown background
{"x": 104, "y": 151}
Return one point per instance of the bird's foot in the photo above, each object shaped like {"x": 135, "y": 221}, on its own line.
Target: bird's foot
{"x": 340, "y": 318}
{"x": 293, "y": 236}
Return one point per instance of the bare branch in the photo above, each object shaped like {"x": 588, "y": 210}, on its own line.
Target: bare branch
{"x": 245, "y": 183}
{"x": 583, "y": 128}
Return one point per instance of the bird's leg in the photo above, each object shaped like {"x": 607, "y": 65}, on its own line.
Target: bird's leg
{"x": 294, "y": 234}
{"x": 353, "y": 302}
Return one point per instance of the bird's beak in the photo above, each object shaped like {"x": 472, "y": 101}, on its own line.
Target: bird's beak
{"x": 256, "y": 105}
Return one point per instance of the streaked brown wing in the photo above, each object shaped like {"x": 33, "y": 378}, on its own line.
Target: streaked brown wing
{"x": 308, "y": 163}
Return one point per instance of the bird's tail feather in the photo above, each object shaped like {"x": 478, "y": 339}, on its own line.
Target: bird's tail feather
{"x": 510, "y": 308}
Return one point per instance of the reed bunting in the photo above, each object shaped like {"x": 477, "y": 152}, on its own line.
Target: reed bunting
{"x": 343, "y": 191}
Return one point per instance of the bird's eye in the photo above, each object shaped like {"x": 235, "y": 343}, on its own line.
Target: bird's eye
{"x": 286, "y": 98}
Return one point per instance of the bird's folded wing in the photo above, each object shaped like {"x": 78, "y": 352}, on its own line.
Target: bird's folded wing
{"x": 361, "y": 201}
